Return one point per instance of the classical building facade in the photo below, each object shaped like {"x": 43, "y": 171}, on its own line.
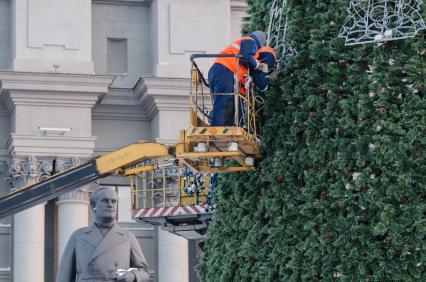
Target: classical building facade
{"x": 82, "y": 78}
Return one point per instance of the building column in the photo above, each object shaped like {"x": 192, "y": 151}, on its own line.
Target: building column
{"x": 165, "y": 101}
{"x": 172, "y": 257}
{"x": 28, "y": 245}
{"x": 28, "y": 225}
{"x": 73, "y": 206}
{"x": 72, "y": 214}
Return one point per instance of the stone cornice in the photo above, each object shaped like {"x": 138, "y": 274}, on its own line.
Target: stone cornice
{"x": 120, "y": 97}
{"x": 4, "y": 230}
{"x": 67, "y": 146}
{"x": 75, "y": 90}
{"x": 59, "y": 138}
{"x": 113, "y": 112}
{"x": 82, "y": 83}
{"x": 3, "y": 153}
{"x": 5, "y": 274}
{"x": 103, "y": 150}
{"x": 3, "y": 111}
{"x": 124, "y": 2}
{"x": 164, "y": 85}
{"x": 238, "y": 5}
{"x": 158, "y": 93}
{"x": 166, "y": 141}
{"x": 75, "y": 196}
{"x": 35, "y": 98}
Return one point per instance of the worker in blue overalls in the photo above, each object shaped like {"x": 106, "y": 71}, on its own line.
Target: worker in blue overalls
{"x": 261, "y": 79}
{"x": 221, "y": 74}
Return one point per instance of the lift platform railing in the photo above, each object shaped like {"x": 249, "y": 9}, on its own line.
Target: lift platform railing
{"x": 166, "y": 188}
{"x": 245, "y": 104}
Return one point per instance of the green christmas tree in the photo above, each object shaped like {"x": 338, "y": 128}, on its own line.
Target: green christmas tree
{"x": 341, "y": 191}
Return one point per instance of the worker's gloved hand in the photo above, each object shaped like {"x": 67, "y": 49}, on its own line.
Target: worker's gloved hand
{"x": 262, "y": 67}
{"x": 273, "y": 75}
{"x": 125, "y": 276}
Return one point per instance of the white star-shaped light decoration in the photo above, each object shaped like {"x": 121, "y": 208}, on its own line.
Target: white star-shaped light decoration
{"x": 376, "y": 21}
{"x": 277, "y": 32}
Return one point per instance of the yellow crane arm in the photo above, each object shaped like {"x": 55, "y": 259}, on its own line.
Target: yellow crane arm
{"x": 52, "y": 187}
{"x": 128, "y": 156}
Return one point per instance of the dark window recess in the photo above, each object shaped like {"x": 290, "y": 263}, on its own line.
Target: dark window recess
{"x": 117, "y": 55}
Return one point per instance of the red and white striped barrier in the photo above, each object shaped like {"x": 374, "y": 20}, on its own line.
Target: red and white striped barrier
{"x": 168, "y": 211}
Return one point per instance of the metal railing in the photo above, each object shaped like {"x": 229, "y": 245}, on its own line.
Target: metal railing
{"x": 165, "y": 188}
{"x": 199, "y": 107}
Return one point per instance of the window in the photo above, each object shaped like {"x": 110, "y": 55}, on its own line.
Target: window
{"x": 117, "y": 55}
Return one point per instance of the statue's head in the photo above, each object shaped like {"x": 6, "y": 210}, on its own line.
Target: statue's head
{"x": 103, "y": 202}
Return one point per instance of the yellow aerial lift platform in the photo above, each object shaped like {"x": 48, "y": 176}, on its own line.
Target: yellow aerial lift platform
{"x": 205, "y": 148}
{"x": 223, "y": 143}
{"x": 201, "y": 148}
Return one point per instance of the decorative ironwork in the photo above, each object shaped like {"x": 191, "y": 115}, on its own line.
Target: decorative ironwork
{"x": 277, "y": 32}
{"x": 376, "y": 21}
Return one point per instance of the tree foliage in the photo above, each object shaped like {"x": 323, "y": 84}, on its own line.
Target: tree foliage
{"x": 341, "y": 191}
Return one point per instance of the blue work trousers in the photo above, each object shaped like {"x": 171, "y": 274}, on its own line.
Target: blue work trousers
{"x": 221, "y": 80}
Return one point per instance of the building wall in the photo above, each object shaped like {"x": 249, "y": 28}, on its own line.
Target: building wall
{"x": 5, "y": 228}
{"x": 112, "y": 132}
{"x": 5, "y": 44}
{"x": 146, "y": 236}
{"x": 51, "y": 36}
{"x": 238, "y": 12}
{"x": 184, "y": 27}
{"x": 4, "y": 136}
{"x": 130, "y": 22}
{"x": 41, "y": 116}
{"x": 5, "y": 252}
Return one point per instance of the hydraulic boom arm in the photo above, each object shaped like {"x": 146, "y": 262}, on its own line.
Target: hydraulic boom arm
{"x": 78, "y": 176}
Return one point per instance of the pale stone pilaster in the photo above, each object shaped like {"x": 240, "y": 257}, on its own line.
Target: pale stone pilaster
{"x": 51, "y": 36}
{"x": 172, "y": 257}
{"x": 28, "y": 225}
{"x": 173, "y": 43}
{"x": 72, "y": 207}
{"x": 239, "y": 10}
{"x": 166, "y": 102}
{"x": 28, "y": 245}
{"x": 72, "y": 214}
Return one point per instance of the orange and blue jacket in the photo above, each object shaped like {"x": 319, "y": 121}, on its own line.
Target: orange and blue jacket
{"x": 246, "y": 46}
{"x": 249, "y": 47}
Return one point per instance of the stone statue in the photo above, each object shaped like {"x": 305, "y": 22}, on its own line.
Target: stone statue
{"x": 103, "y": 251}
